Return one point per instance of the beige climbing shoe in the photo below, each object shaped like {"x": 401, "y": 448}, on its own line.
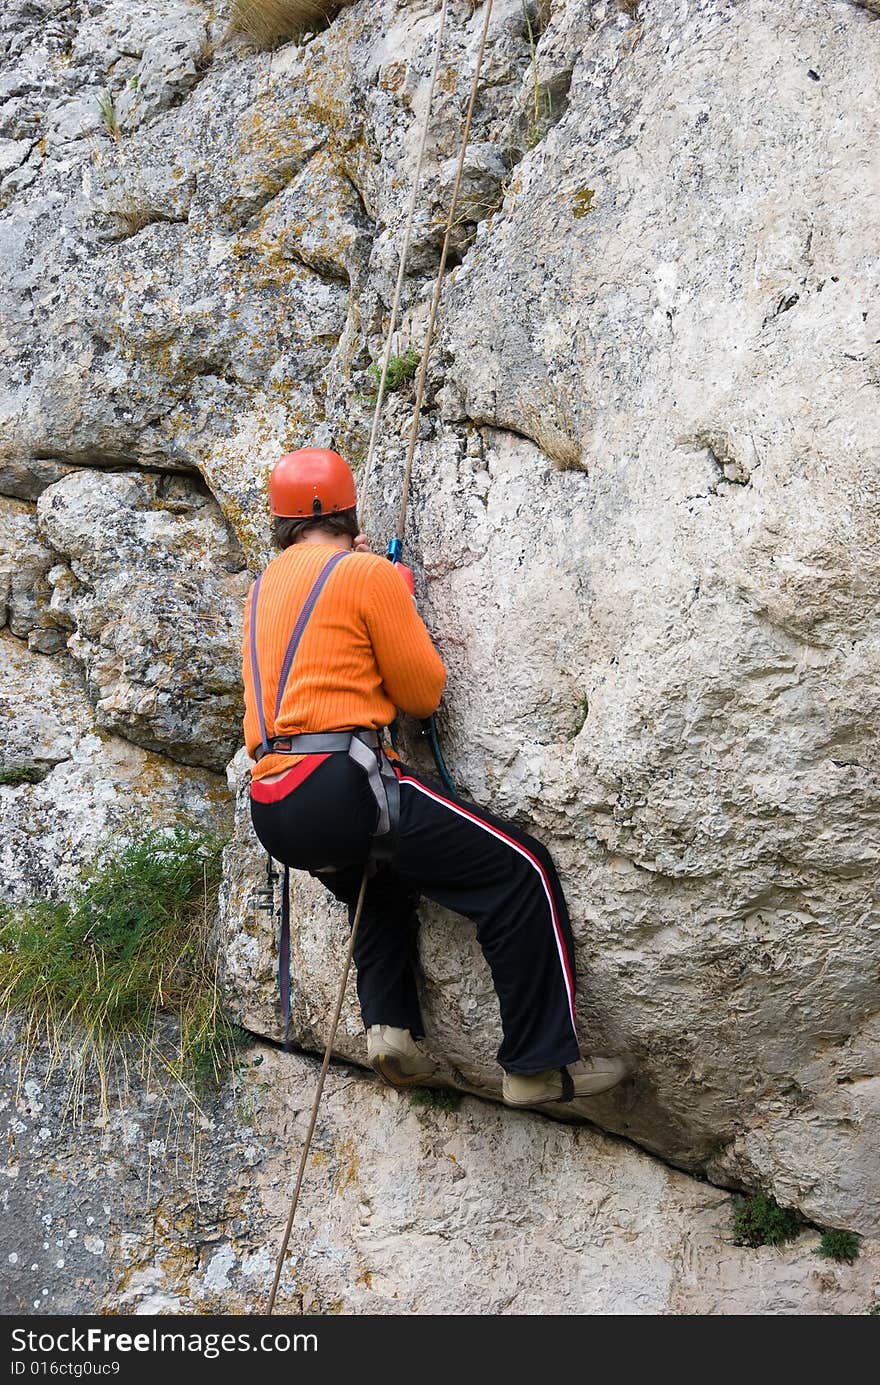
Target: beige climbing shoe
{"x": 589, "y": 1077}
{"x": 394, "y": 1055}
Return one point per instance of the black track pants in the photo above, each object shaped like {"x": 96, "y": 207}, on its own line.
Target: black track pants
{"x": 464, "y": 858}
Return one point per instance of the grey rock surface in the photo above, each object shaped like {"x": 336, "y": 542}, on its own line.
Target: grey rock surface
{"x": 497, "y": 1213}
{"x": 644, "y": 512}
{"x": 152, "y": 589}
{"x": 25, "y": 590}
{"x": 89, "y": 786}
{"x": 659, "y": 614}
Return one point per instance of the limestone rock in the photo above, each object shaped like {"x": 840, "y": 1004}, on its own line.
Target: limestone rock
{"x": 24, "y": 478}
{"x": 153, "y": 591}
{"x": 644, "y": 510}
{"x": 67, "y": 787}
{"x": 405, "y": 1209}
{"x": 25, "y": 591}
{"x": 673, "y": 671}
{"x": 319, "y": 219}
{"x": 145, "y": 309}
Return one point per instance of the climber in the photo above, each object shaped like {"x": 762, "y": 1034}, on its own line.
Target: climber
{"x": 326, "y": 796}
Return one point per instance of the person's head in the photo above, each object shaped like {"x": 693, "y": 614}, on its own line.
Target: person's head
{"x": 312, "y": 489}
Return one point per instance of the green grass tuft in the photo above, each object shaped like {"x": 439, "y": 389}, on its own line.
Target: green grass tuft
{"x": 840, "y": 1245}
{"x": 23, "y": 774}
{"x": 400, "y": 369}
{"x": 760, "y": 1221}
{"x": 108, "y": 114}
{"x": 436, "y": 1098}
{"x": 125, "y": 966}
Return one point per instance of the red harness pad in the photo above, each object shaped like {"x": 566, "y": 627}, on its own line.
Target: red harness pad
{"x": 280, "y": 788}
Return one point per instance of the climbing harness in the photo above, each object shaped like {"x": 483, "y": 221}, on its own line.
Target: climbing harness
{"x": 363, "y": 745}
{"x": 395, "y": 550}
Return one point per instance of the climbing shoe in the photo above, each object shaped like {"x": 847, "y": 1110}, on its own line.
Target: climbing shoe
{"x": 393, "y": 1054}
{"x": 589, "y": 1077}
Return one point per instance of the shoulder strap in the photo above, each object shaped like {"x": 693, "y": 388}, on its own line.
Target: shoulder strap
{"x": 302, "y": 622}
{"x": 292, "y": 644}
{"x": 255, "y": 667}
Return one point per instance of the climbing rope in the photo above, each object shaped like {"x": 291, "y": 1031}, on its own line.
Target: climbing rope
{"x": 331, "y": 1039}
{"x": 395, "y": 547}
{"x": 404, "y": 256}
{"x": 438, "y": 287}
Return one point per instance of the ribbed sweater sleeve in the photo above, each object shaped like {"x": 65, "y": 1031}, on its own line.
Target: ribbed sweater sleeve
{"x": 412, "y": 671}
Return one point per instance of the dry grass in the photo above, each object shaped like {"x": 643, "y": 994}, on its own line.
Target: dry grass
{"x": 267, "y": 23}
{"x": 548, "y": 424}
{"x": 134, "y": 218}
{"x": 123, "y": 976}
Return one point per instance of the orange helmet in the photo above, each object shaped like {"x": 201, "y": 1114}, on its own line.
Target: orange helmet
{"x": 312, "y": 481}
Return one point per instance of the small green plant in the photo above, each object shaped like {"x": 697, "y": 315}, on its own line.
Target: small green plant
{"x": 760, "y": 1221}
{"x": 124, "y": 967}
{"x": 435, "y": 1098}
{"x": 839, "y": 1245}
{"x": 533, "y": 133}
{"x": 108, "y": 115}
{"x": 23, "y": 774}
{"x": 400, "y": 369}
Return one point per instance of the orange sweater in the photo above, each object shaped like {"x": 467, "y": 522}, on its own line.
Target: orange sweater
{"x": 365, "y": 651}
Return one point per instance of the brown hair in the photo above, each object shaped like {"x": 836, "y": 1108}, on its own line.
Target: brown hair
{"x": 286, "y": 531}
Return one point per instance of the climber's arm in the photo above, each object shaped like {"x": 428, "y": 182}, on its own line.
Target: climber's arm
{"x": 412, "y": 670}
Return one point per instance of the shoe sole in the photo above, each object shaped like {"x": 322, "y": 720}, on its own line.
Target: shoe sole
{"x": 390, "y": 1071}
{"x": 557, "y": 1100}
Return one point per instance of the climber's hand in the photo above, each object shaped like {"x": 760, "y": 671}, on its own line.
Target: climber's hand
{"x": 362, "y": 544}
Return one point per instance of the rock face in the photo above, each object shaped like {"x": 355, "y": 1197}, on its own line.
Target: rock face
{"x": 644, "y": 513}
{"x": 497, "y": 1212}
{"x": 690, "y": 561}
{"x": 153, "y": 592}
{"x": 67, "y": 786}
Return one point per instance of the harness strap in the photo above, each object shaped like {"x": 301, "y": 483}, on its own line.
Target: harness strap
{"x": 255, "y": 667}
{"x": 267, "y": 743}
{"x": 319, "y": 742}
{"x": 302, "y": 622}
{"x": 370, "y": 762}
{"x": 284, "y": 957}
{"x": 292, "y": 644}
